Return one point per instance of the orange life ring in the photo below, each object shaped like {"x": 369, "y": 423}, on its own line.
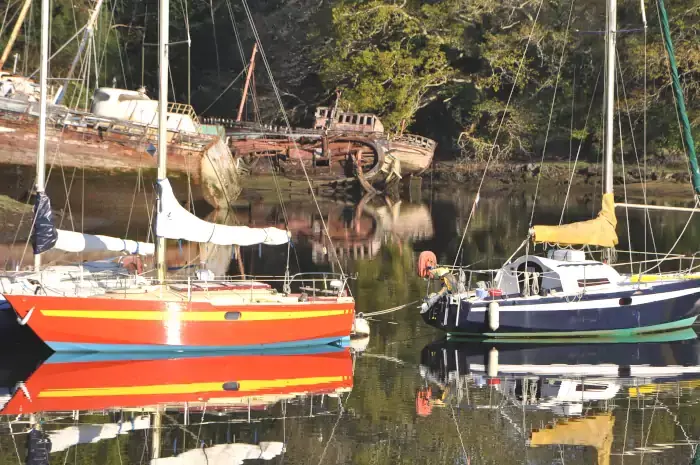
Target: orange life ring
{"x": 426, "y": 261}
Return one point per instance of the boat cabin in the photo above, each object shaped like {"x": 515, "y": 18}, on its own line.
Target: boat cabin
{"x": 347, "y": 121}
{"x": 16, "y": 86}
{"x": 136, "y": 106}
{"x": 563, "y": 270}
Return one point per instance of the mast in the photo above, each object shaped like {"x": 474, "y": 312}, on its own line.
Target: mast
{"x": 15, "y": 31}
{"x": 610, "y": 39}
{"x": 163, "y": 17}
{"x": 43, "y": 78}
{"x": 251, "y": 70}
{"x": 86, "y": 35}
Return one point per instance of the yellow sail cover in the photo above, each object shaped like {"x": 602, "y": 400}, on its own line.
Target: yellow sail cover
{"x": 598, "y": 231}
{"x": 596, "y": 432}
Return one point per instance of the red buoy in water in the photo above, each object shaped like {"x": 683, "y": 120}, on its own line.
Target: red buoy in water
{"x": 426, "y": 261}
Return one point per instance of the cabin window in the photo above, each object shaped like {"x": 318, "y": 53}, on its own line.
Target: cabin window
{"x": 591, "y": 387}
{"x": 232, "y": 316}
{"x": 130, "y": 97}
{"x": 626, "y": 301}
{"x": 593, "y": 282}
{"x": 100, "y": 96}
{"x": 231, "y": 386}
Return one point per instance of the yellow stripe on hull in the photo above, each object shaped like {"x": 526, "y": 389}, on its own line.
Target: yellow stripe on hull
{"x": 652, "y": 278}
{"x": 243, "y": 386}
{"x": 247, "y": 315}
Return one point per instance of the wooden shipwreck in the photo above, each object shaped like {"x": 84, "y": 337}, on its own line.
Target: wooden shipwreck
{"x": 120, "y": 133}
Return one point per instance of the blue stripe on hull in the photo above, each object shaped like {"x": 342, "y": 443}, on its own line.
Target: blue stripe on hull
{"x": 175, "y": 349}
{"x": 664, "y": 315}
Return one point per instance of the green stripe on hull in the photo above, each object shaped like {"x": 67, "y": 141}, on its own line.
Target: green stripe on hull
{"x": 608, "y": 333}
{"x": 667, "y": 336}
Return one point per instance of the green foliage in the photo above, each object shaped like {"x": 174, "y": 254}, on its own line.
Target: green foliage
{"x": 447, "y": 67}
{"x": 475, "y": 56}
{"x": 388, "y": 58}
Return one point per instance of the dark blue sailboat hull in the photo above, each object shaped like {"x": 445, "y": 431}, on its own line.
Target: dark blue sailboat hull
{"x": 446, "y": 356}
{"x": 664, "y": 307}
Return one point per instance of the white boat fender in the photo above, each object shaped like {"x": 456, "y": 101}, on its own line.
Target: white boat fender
{"x": 493, "y": 315}
{"x": 360, "y": 326}
{"x": 359, "y": 344}
{"x": 493, "y": 363}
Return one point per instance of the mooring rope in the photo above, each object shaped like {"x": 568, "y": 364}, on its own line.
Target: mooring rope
{"x": 389, "y": 310}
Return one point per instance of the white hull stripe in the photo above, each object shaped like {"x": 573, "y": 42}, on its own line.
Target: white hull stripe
{"x": 575, "y": 304}
{"x": 595, "y": 370}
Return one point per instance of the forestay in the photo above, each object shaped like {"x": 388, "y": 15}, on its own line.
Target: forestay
{"x": 70, "y": 241}
{"x": 174, "y": 222}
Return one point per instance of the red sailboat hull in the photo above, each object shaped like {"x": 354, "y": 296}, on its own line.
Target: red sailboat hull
{"x": 213, "y": 379}
{"x": 103, "y": 324}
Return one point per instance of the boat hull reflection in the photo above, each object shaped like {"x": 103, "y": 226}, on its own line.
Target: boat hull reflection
{"x": 663, "y": 358}
{"x": 218, "y": 380}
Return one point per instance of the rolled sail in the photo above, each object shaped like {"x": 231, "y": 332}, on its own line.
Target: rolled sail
{"x": 71, "y": 241}
{"x": 65, "y": 438}
{"x": 174, "y": 222}
{"x": 599, "y": 231}
{"x": 224, "y": 454}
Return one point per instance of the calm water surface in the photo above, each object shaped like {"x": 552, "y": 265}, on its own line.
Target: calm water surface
{"x": 405, "y": 398}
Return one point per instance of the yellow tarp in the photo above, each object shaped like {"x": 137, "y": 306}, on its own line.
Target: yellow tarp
{"x": 598, "y": 231}
{"x": 596, "y": 432}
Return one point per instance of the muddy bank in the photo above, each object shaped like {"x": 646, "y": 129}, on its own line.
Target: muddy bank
{"x": 662, "y": 182}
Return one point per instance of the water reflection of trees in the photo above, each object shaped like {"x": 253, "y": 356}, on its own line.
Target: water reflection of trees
{"x": 501, "y": 221}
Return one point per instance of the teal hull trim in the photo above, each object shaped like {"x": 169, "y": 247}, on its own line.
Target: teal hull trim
{"x": 612, "y": 333}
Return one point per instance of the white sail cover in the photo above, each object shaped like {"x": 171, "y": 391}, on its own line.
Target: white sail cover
{"x": 224, "y": 454}
{"x": 70, "y": 241}
{"x": 174, "y": 222}
{"x": 64, "y": 438}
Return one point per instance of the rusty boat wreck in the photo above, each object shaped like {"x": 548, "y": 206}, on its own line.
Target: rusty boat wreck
{"x": 342, "y": 148}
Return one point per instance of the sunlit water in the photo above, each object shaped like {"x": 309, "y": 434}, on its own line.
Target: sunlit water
{"x": 402, "y": 400}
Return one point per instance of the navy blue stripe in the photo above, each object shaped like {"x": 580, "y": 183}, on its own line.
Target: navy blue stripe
{"x": 566, "y": 320}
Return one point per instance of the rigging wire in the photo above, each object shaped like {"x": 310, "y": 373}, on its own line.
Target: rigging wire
{"x": 551, "y": 110}
{"x": 216, "y": 43}
{"x": 647, "y": 217}
{"x": 263, "y": 55}
{"x": 241, "y": 52}
{"x": 644, "y": 137}
{"x": 578, "y": 152}
{"x": 498, "y": 131}
{"x": 571, "y": 125}
{"x": 226, "y": 89}
{"x": 4, "y": 18}
{"x": 624, "y": 173}
{"x": 341, "y": 410}
{"x": 121, "y": 59}
{"x": 103, "y": 58}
